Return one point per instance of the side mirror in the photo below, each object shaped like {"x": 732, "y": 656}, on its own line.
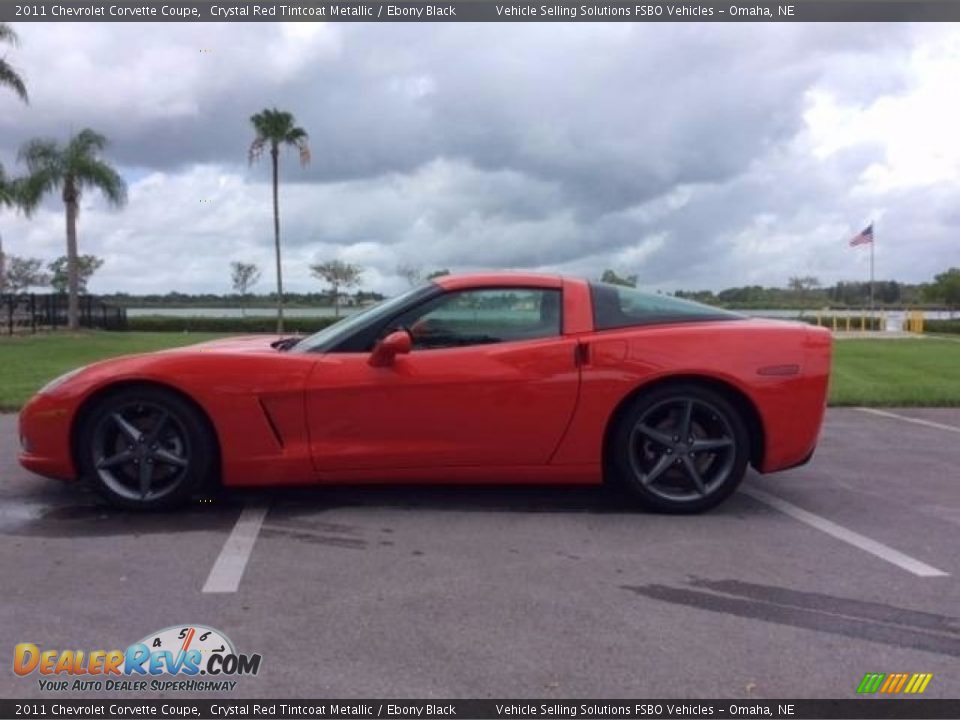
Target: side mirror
{"x": 396, "y": 343}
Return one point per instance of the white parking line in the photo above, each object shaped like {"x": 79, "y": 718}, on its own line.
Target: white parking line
{"x": 227, "y": 571}
{"x": 916, "y": 421}
{"x": 895, "y": 557}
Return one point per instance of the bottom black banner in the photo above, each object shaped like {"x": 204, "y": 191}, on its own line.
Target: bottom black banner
{"x": 913, "y": 709}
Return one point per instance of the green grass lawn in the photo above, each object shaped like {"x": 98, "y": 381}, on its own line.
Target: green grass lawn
{"x": 922, "y": 372}
{"x": 28, "y": 362}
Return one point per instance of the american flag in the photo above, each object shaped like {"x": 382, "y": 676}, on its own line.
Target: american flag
{"x": 864, "y": 237}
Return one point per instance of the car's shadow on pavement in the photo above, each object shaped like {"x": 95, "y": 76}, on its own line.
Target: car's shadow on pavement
{"x": 527, "y": 499}
{"x": 73, "y": 511}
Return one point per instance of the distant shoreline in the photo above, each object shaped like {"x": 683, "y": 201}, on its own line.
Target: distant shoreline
{"x": 327, "y": 311}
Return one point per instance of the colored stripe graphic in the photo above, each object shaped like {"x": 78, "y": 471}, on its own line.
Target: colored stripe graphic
{"x": 918, "y": 683}
{"x": 870, "y": 683}
{"x": 890, "y": 683}
{"x": 894, "y": 683}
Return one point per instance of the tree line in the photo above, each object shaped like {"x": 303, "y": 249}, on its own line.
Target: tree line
{"x": 339, "y": 276}
{"x": 18, "y": 274}
{"x": 808, "y": 292}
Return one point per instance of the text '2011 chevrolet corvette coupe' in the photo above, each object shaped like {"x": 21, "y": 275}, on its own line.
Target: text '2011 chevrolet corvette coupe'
{"x": 493, "y": 378}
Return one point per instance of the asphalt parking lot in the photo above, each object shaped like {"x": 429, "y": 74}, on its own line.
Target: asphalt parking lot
{"x": 799, "y": 585}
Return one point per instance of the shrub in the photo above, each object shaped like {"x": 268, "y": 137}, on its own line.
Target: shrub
{"x": 941, "y": 326}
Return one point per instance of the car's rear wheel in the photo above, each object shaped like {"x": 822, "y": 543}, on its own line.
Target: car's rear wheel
{"x": 145, "y": 448}
{"x": 680, "y": 449}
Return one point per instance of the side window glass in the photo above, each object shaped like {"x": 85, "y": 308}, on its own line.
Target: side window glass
{"x": 615, "y": 306}
{"x": 480, "y": 317}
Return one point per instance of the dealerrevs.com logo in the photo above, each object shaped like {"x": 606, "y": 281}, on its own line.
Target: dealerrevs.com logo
{"x": 186, "y": 658}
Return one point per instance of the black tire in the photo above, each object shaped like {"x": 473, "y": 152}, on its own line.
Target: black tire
{"x": 145, "y": 448}
{"x": 666, "y": 472}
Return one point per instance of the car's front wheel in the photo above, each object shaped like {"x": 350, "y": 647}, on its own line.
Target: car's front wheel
{"x": 681, "y": 449}
{"x": 145, "y": 448}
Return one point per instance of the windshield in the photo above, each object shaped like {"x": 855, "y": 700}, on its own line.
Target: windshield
{"x": 334, "y": 334}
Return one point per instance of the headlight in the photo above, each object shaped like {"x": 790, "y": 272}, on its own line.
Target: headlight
{"x": 58, "y": 381}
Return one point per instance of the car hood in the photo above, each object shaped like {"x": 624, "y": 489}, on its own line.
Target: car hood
{"x": 244, "y": 344}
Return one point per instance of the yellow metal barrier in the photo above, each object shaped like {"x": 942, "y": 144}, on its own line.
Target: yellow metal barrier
{"x": 915, "y": 321}
{"x": 868, "y": 321}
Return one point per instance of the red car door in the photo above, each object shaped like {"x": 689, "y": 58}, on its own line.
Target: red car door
{"x": 490, "y": 381}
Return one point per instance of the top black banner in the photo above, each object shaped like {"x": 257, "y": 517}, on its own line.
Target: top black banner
{"x": 480, "y": 11}
{"x": 631, "y": 709}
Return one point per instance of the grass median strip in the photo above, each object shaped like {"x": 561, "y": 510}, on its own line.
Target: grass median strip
{"x": 924, "y": 372}
{"x": 30, "y": 361}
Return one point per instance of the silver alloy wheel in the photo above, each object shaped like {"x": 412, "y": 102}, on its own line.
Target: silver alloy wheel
{"x": 682, "y": 449}
{"x": 141, "y": 451}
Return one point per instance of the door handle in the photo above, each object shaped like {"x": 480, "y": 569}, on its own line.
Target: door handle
{"x": 581, "y": 354}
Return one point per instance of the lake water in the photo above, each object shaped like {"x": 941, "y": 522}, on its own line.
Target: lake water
{"x": 895, "y": 318}
{"x": 235, "y": 312}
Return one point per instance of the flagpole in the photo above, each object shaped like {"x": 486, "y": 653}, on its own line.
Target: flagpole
{"x": 873, "y": 242}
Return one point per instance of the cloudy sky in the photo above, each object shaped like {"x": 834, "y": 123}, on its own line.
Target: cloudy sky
{"x": 695, "y": 156}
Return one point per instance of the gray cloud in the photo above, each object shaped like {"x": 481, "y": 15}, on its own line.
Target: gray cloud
{"x": 681, "y": 152}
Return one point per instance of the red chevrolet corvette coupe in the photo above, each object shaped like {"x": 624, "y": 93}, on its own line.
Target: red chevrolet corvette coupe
{"x": 495, "y": 378}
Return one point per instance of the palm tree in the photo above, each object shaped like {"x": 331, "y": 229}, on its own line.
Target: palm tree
{"x": 9, "y": 196}
{"x": 70, "y": 168}
{"x": 9, "y": 76}
{"x": 274, "y": 129}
